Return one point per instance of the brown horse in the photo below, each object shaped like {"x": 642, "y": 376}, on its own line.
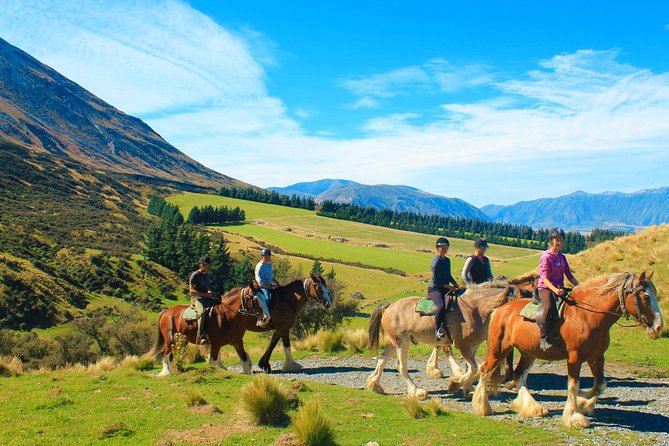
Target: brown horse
{"x": 467, "y": 323}
{"x": 593, "y": 307}
{"x": 284, "y": 310}
{"x": 226, "y": 326}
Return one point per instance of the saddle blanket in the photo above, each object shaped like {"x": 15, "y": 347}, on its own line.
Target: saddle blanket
{"x": 189, "y": 314}
{"x": 529, "y": 311}
{"x": 425, "y": 307}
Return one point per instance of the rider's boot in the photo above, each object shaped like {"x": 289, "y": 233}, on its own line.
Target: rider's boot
{"x": 201, "y": 336}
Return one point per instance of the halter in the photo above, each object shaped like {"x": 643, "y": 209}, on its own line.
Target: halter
{"x": 243, "y": 310}
{"x": 629, "y": 288}
{"x": 306, "y": 289}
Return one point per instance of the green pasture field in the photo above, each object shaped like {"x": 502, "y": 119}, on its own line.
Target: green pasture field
{"x": 312, "y": 235}
{"x": 123, "y": 406}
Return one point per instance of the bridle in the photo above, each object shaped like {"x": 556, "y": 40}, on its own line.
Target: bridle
{"x": 626, "y": 289}
{"x": 243, "y": 309}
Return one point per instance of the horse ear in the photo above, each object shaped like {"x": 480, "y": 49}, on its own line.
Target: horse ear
{"x": 650, "y": 275}
{"x": 642, "y": 277}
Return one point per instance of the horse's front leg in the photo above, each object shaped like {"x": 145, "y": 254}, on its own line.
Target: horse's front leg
{"x": 465, "y": 381}
{"x": 289, "y": 364}
{"x": 432, "y": 367}
{"x": 402, "y": 360}
{"x": 524, "y": 404}
{"x": 571, "y": 417}
{"x": 586, "y": 400}
{"x": 264, "y": 360}
{"x": 214, "y": 359}
{"x": 244, "y": 359}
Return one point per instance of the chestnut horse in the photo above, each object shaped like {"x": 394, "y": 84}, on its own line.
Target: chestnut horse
{"x": 225, "y": 326}
{"x": 284, "y": 310}
{"x": 468, "y": 324}
{"x": 592, "y": 308}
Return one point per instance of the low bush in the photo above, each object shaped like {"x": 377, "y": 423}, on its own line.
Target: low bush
{"x": 312, "y": 426}
{"x": 264, "y": 401}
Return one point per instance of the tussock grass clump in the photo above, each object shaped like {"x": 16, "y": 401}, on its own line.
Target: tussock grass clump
{"x": 417, "y": 409}
{"x": 312, "y": 426}
{"x": 355, "y": 341}
{"x": 196, "y": 353}
{"x": 194, "y": 399}
{"x": 264, "y": 401}
{"x": 104, "y": 364}
{"x": 11, "y": 366}
{"x": 115, "y": 430}
{"x": 414, "y": 408}
{"x": 134, "y": 362}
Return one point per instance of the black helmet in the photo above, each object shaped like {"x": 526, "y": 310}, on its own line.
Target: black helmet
{"x": 442, "y": 241}
{"x": 205, "y": 260}
{"x": 265, "y": 252}
{"x": 555, "y": 232}
{"x": 480, "y": 243}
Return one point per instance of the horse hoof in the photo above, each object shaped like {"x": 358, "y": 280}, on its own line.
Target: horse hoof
{"x": 421, "y": 394}
{"x": 435, "y": 374}
{"x": 576, "y": 420}
{"x": 376, "y": 389}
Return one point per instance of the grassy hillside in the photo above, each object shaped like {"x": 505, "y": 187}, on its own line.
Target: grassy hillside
{"x": 67, "y": 239}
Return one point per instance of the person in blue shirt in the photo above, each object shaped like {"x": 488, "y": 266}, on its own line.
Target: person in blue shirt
{"x": 439, "y": 287}
{"x": 265, "y": 278}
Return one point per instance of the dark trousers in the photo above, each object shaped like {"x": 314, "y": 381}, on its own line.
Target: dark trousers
{"x": 546, "y": 312}
{"x": 440, "y": 298}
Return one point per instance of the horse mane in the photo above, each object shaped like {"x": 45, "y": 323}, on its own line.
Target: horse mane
{"x": 231, "y": 292}
{"x": 529, "y": 277}
{"x": 486, "y": 285}
{"x": 603, "y": 286}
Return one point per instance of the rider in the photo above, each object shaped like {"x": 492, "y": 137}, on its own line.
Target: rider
{"x": 265, "y": 279}
{"x": 201, "y": 295}
{"x": 477, "y": 266}
{"x": 438, "y": 290}
{"x": 553, "y": 267}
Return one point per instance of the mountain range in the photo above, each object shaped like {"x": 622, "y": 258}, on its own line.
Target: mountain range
{"x": 577, "y": 211}
{"x": 383, "y": 196}
{"x": 41, "y": 109}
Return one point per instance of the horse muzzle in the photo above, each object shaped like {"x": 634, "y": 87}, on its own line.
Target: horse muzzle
{"x": 658, "y": 324}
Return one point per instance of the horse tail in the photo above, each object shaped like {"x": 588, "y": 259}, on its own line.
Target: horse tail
{"x": 159, "y": 342}
{"x": 375, "y": 327}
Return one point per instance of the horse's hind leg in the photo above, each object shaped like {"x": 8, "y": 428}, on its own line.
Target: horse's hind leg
{"x": 464, "y": 382}
{"x": 402, "y": 359}
{"x": 524, "y": 404}
{"x": 375, "y": 378}
{"x": 586, "y": 401}
{"x": 167, "y": 354}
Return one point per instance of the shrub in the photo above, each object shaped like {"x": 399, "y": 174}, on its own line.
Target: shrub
{"x": 195, "y": 398}
{"x": 312, "y": 426}
{"x": 355, "y": 341}
{"x": 264, "y": 401}
{"x": 180, "y": 352}
{"x": 104, "y": 364}
{"x": 10, "y": 366}
{"x": 137, "y": 363}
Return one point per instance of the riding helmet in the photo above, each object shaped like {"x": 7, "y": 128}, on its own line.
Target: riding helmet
{"x": 480, "y": 243}
{"x": 265, "y": 252}
{"x": 555, "y": 232}
{"x": 205, "y": 260}
{"x": 443, "y": 241}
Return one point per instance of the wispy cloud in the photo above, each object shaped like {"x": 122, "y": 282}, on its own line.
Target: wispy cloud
{"x": 203, "y": 87}
{"x": 436, "y": 75}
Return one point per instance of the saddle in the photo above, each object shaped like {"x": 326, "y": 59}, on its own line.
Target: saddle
{"x": 425, "y": 307}
{"x": 529, "y": 311}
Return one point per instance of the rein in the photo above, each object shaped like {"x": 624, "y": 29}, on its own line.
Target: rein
{"x": 243, "y": 310}
{"x": 624, "y": 291}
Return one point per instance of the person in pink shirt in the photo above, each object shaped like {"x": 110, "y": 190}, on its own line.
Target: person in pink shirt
{"x": 553, "y": 267}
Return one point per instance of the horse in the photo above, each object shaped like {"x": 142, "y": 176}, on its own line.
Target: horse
{"x": 467, "y": 323}
{"x": 284, "y": 310}
{"x": 589, "y": 313}
{"x": 225, "y": 326}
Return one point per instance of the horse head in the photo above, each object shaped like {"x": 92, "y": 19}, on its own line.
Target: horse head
{"x": 645, "y": 304}
{"x": 316, "y": 288}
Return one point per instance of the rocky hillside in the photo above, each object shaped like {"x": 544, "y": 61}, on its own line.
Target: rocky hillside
{"x": 383, "y": 196}
{"x": 41, "y": 108}
{"x": 583, "y": 211}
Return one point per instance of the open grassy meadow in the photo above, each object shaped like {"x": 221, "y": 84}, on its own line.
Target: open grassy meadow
{"x": 123, "y": 406}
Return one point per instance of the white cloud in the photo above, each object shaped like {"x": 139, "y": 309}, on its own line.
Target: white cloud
{"x": 436, "y": 75}
{"x": 202, "y": 87}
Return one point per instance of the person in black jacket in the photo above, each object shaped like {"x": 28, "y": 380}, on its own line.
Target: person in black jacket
{"x": 477, "y": 266}
{"x": 438, "y": 289}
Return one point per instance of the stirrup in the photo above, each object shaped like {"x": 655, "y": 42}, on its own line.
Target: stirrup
{"x": 203, "y": 341}
{"x": 264, "y": 321}
{"x": 440, "y": 334}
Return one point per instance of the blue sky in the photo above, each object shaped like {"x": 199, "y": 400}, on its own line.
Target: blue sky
{"x": 491, "y": 102}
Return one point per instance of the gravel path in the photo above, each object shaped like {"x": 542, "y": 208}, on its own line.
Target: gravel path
{"x": 636, "y": 409}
